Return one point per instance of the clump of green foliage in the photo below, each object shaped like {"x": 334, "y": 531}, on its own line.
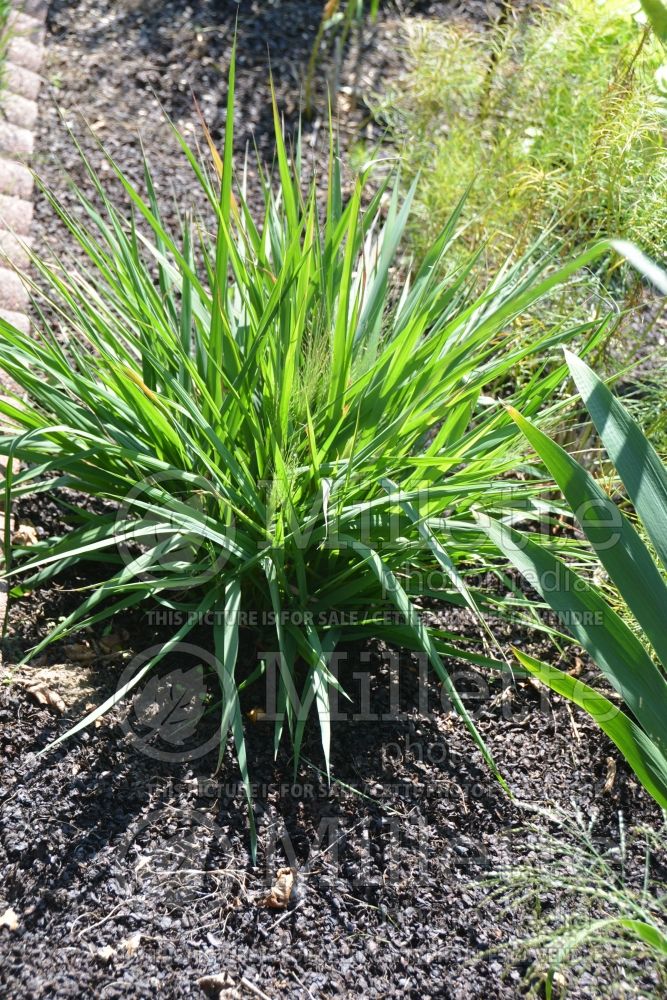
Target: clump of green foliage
{"x": 278, "y": 418}
{"x": 552, "y": 117}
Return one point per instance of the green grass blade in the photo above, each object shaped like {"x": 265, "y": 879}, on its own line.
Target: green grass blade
{"x": 616, "y": 542}
{"x": 226, "y": 638}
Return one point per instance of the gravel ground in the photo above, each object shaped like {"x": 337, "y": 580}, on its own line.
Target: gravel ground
{"x": 127, "y": 866}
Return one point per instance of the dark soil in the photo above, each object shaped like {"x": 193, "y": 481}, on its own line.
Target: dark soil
{"x": 122, "y": 831}
{"x": 120, "y": 66}
{"x": 107, "y": 837}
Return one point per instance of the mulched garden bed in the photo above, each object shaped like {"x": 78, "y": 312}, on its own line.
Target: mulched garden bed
{"x": 126, "y": 863}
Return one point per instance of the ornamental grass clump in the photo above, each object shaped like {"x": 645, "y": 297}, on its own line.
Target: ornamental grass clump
{"x": 279, "y": 417}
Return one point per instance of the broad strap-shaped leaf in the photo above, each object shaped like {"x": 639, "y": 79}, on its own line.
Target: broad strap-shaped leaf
{"x": 642, "y": 263}
{"x": 650, "y": 934}
{"x": 375, "y": 294}
{"x": 282, "y": 706}
{"x": 656, "y": 11}
{"x": 637, "y": 462}
{"x": 616, "y": 542}
{"x": 221, "y": 353}
{"x": 643, "y": 756}
{"x": 616, "y": 650}
{"x": 316, "y": 688}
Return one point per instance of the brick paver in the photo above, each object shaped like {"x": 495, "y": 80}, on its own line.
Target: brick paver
{"x": 18, "y": 114}
{"x": 13, "y": 293}
{"x": 22, "y": 52}
{"x": 15, "y": 215}
{"x": 27, "y": 26}
{"x": 19, "y": 110}
{"x": 20, "y": 80}
{"x": 15, "y": 141}
{"x": 17, "y": 319}
{"x": 14, "y": 249}
{"x": 15, "y": 179}
{"x": 35, "y": 8}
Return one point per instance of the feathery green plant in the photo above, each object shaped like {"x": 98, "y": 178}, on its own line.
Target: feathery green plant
{"x": 553, "y": 117}
{"x": 284, "y": 420}
{"x": 596, "y": 918}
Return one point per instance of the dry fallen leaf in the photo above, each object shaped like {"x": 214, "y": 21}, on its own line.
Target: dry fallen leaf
{"x": 80, "y": 652}
{"x": 577, "y": 668}
{"x": 611, "y": 776}
{"x": 131, "y": 943}
{"x": 9, "y": 919}
{"x": 25, "y": 534}
{"x": 279, "y": 894}
{"x": 45, "y": 696}
{"x": 221, "y": 986}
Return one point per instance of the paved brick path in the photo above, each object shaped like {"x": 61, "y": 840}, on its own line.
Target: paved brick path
{"x": 18, "y": 113}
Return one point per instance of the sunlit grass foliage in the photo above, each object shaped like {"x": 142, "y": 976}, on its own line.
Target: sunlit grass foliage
{"x": 281, "y": 418}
